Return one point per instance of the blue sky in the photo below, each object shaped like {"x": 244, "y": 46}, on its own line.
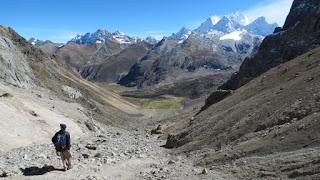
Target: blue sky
{"x": 60, "y": 20}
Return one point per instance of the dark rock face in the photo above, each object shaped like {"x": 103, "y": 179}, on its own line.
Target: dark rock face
{"x": 300, "y": 33}
{"x": 116, "y": 66}
{"x": 137, "y": 73}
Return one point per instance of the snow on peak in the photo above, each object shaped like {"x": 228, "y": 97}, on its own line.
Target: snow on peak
{"x": 91, "y": 38}
{"x": 235, "y": 22}
{"x": 239, "y": 18}
{"x": 121, "y": 38}
{"x": 100, "y": 37}
{"x": 182, "y": 35}
{"x": 214, "y": 19}
{"x": 207, "y": 26}
{"x": 261, "y": 27}
{"x": 118, "y": 33}
{"x": 151, "y": 40}
{"x": 231, "y": 22}
{"x": 226, "y": 24}
{"x": 235, "y": 35}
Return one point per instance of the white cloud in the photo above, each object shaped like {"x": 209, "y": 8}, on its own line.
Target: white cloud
{"x": 274, "y": 11}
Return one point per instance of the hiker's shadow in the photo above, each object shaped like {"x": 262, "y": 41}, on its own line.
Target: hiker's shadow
{"x": 35, "y": 171}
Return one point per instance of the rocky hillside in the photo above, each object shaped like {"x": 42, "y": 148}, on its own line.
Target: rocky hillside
{"x": 197, "y": 56}
{"x": 14, "y": 65}
{"x": 267, "y": 128}
{"x": 29, "y": 67}
{"x": 114, "y": 67}
{"x": 76, "y": 56}
{"x": 259, "y": 119}
{"x": 299, "y": 34}
{"x": 46, "y": 46}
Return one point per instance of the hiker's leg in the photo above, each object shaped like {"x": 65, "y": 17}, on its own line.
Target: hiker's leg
{"x": 64, "y": 161}
{"x": 68, "y": 158}
{"x": 69, "y": 163}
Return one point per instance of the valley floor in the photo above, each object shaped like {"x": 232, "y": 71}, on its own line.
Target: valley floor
{"x": 111, "y": 153}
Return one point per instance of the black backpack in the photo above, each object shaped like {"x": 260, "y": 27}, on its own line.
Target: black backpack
{"x": 61, "y": 142}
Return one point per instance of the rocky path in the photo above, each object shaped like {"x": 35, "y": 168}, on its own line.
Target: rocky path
{"x": 109, "y": 154}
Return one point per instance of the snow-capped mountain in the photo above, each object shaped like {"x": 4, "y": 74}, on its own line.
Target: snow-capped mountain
{"x": 239, "y": 18}
{"x": 206, "y": 26}
{"x": 100, "y": 37}
{"x": 228, "y": 24}
{"x": 36, "y": 42}
{"x": 182, "y": 35}
{"x": 261, "y": 27}
{"x": 236, "y": 22}
{"x": 123, "y": 39}
{"x": 241, "y": 42}
{"x": 47, "y": 46}
{"x": 150, "y": 40}
{"x": 92, "y": 38}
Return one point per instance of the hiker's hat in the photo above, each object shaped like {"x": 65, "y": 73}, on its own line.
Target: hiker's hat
{"x": 63, "y": 126}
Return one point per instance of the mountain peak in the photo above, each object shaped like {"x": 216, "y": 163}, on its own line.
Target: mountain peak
{"x": 182, "y": 34}
{"x": 151, "y": 40}
{"x": 207, "y": 26}
{"x": 214, "y": 19}
{"x": 261, "y": 27}
{"x": 101, "y": 33}
{"x": 239, "y": 18}
{"x": 261, "y": 18}
{"x": 236, "y": 22}
{"x": 100, "y": 37}
{"x": 118, "y": 33}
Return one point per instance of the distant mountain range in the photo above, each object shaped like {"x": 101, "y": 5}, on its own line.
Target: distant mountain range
{"x": 218, "y": 45}
{"x": 235, "y": 22}
{"x": 213, "y": 25}
{"x": 100, "y": 37}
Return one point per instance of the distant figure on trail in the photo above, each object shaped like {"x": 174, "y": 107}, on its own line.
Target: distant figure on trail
{"x": 61, "y": 141}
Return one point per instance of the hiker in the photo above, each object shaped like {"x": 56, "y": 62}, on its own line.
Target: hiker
{"x": 61, "y": 141}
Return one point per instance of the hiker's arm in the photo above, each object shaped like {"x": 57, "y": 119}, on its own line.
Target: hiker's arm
{"x": 54, "y": 138}
{"x": 68, "y": 141}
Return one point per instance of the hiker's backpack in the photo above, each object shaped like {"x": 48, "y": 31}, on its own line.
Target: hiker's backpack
{"x": 61, "y": 142}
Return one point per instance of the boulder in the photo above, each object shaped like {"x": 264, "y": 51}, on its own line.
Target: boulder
{"x": 158, "y": 130}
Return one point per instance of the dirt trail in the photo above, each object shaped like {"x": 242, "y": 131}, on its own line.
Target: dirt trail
{"x": 110, "y": 153}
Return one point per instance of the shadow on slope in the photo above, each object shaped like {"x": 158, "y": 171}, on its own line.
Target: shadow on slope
{"x": 36, "y": 171}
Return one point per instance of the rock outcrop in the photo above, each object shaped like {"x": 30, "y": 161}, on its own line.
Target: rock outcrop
{"x": 14, "y": 66}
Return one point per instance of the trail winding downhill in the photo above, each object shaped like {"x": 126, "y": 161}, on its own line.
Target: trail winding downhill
{"x": 110, "y": 153}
